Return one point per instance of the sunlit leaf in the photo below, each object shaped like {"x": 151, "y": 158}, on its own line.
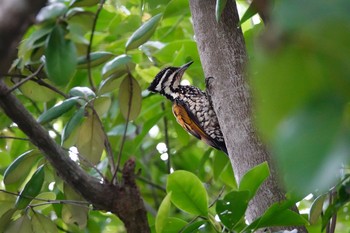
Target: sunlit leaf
{"x": 102, "y": 104}
{"x": 37, "y": 92}
{"x": 118, "y": 67}
{"x": 143, "y": 33}
{"x": 81, "y": 3}
{"x": 51, "y": 12}
{"x": 60, "y": 56}
{"x": 316, "y": 209}
{"x": 83, "y": 92}
{"x": 73, "y": 123}
{"x": 163, "y": 214}
{"x": 188, "y": 192}
{"x": 5, "y": 219}
{"x": 43, "y": 198}
{"x": 130, "y": 98}
{"x": 91, "y": 139}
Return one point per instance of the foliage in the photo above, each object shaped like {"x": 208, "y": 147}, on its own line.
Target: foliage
{"x": 82, "y": 71}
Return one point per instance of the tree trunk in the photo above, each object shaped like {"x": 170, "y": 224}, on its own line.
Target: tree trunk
{"x": 222, "y": 51}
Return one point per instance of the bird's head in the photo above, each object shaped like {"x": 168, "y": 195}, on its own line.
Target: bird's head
{"x": 168, "y": 79}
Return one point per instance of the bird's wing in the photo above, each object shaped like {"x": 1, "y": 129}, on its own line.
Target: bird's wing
{"x": 190, "y": 123}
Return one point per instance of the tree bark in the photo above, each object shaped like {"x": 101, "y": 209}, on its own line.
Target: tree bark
{"x": 123, "y": 199}
{"x": 222, "y": 51}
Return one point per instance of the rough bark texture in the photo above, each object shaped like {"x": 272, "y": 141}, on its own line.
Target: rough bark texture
{"x": 222, "y": 51}
{"x": 124, "y": 199}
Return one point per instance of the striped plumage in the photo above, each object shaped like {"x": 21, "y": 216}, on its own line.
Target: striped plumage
{"x": 191, "y": 106}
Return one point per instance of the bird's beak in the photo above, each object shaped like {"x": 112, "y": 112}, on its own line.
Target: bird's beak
{"x": 183, "y": 68}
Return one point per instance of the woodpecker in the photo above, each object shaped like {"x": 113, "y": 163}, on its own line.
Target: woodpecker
{"x": 191, "y": 106}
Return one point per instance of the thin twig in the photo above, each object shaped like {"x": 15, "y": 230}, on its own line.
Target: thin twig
{"x": 88, "y": 58}
{"x": 219, "y": 195}
{"x": 165, "y": 120}
{"x": 14, "y": 87}
{"x": 17, "y": 138}
{"x": 45, "y": 84}
{"x": 125, "y": 129}
{"x": 151, "y": 183}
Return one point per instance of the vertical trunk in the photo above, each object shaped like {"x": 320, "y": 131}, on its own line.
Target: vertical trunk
{"x": 223, "y": 56}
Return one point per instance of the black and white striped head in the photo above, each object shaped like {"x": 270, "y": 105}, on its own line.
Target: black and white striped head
{"x": 168, "y": 80}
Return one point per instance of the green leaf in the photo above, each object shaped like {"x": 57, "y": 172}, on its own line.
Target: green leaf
{"x": 219, "y": 7}
{"x": 84, "y": 92}
{"x": 80, "y": 3}
{"x": 143, "y": 33}
{"x": 91, "y": 139}
{"x": 102, "y": 104}
{"x": 42, "y": 224}
{"x": 57, "y": 110}
{"x": 177, "y": 8}
{"x": 73, "y": 123}
{"x": 37, "y": 92}
{"x": 119, "y": 130}
{"x": 60, "y": 57}
{"x": 220, "y": 161}
{"x": 232, "y": 207}
{"x": 173, "y": 225}
{"x": 118, "y": 67}
{"x": 250, "y": 12}
{"x": 31, "y": 189}
{"x": 130, "y": 98}
{"x": 21, "y": 166}
{"x": 194, "y": 227}
{"x": 163, "y": 214}
{"x": 73, "y": 214}
{"x": 43, "y": 198}
{"x": 20, "y": 225}
{"x": 310, "y": 146}
{"x": 108, "y": 85}
{"x": 96, "y": 58}
{"x": 51, "y": 12}
{"x": 278, "y": 214}
{"x": 252, "y": 180}
{"x": 316, "y": 209}
{"x": 5, "y": 219}
{"x": 188, "y": 193}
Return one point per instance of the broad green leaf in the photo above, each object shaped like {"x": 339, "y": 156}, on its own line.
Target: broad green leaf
{"x": 316, "y": 209}
{"x": 51, "y": 12}
{"x": 194, "y": 227}
{"x": 219, "y": 7}
{"x": 57, "y": 110}
{"x": 96, "y": 58}
{"x": 60, "y": 56}
{"x": 163, "y": 214}
{"x": 43, "y": 196}
{"x": 311, "y": 148}
{"x": 130, "y": 98}
{"x": 5, "y": 219}
{"x": 73, "y": 214}
{"x": 220, "y": 161}
{"x": 21, "y": 166}
{"x": 37, "y": 92}
{"x": 42, "y": 224}
{"x": 250, "y": 12}
{"x": 232, "y": 207}
{"x": 91, "y": 139}
{"x": 31, "y": 189}
{"x": 118, "y": 66}
{"x": 173, "y": 225}
{"x": 252, "y": 180}
{"x": 20, "y": 225}
{"x": 278, "y": 214}
{"x": 80, "y": 3}
{"x": 143, "y": 33}
{"x": 177, "y": 8}
{"x": 109, "y": 84}
{"x": 102, "y": 104}
{"x": 83, "y": 92}
{"x": 188, "y": 193}
{"x": 73, "y": 123}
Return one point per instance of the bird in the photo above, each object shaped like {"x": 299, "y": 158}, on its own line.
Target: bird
{"x": 192, "y": 107}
